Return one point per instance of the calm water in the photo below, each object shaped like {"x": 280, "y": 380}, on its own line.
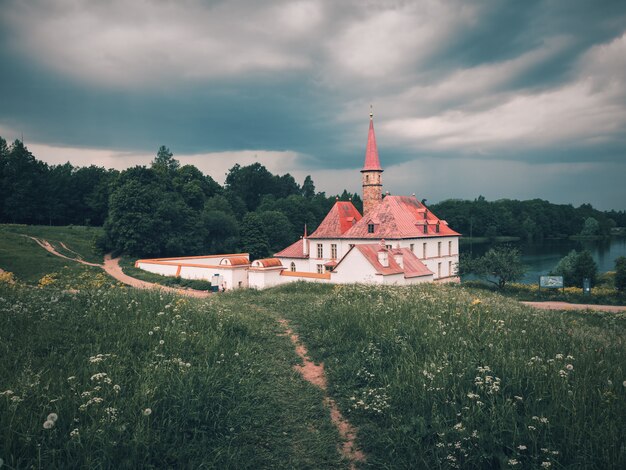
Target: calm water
{"x": 540, "y": 258}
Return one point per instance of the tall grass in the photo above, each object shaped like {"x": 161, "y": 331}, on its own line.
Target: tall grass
{"x": 150, "y": 380}
{"x": 443, "y": 377}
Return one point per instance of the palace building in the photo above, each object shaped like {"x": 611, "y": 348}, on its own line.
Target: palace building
{"x": 396, "y": 240}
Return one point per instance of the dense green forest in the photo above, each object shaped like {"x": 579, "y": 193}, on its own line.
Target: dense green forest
{"x": 167, "y": 209}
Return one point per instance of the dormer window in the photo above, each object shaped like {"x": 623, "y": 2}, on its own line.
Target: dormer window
{"x": 370, "y": 228}
{"x": 437, "y": 227}
{"x": 425, "y": 228}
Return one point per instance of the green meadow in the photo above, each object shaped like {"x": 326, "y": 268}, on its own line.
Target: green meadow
{"x": 95, "y": 375}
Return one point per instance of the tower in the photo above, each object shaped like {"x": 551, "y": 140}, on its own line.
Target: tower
{"x": 372, "y": 173}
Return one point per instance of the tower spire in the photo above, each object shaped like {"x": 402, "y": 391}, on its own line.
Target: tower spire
{"x": 372, "y": 171}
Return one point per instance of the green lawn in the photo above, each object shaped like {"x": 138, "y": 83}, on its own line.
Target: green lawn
{"x": 29, "y": 262}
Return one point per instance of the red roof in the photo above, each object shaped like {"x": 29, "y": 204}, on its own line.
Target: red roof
{"x": 235, "y": 261}
{"x": 411, "y": 265}
{"x": 269, "y": 262}
{"x": 292, "y": 251}
{"x": 372, "y": 162}
{"x": 400, "y": 217}
{"x": 339, "y": 219}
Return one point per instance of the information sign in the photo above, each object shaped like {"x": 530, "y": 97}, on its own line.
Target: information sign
{"x": 551, "y": 282}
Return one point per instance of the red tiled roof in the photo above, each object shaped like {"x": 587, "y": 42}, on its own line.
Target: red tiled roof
{"x": 372, "y": 162}
{"x": 399, "y": 217}
{"x": 339, "y": 219}
{"x": 412, "y": 266}
{"x": 235, "y": 261}
{"x": 292, "y": 251}
{"x": 269, "y": 262}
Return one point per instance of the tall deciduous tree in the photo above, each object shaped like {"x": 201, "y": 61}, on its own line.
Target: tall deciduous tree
{"x": 500, "y": 265}
{"x": 253, "y": 237}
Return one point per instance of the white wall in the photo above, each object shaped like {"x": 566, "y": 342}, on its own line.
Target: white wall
{"x": 164, "y": 270}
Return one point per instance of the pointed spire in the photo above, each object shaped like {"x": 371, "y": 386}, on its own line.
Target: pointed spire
{"x": 372, "y": 162}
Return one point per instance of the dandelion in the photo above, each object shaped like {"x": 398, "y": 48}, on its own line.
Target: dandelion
{"x": 147, "y": 412}
{"x": 513, "y": 462}
{"x": 150, "y": 333}
{"x": 546, "y": 464}
{"x": 475, "y": 302}
{"x": 74, "y": 433}
{"x": 521, "y": 447}
{"x": 161, "y": 342}
{"x": 52, "y": 417}
{"x": 48, "y": 424}
{"x": 569, "y": 367}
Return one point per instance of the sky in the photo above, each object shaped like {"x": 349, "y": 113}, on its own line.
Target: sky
{"x": 503, "y": 99}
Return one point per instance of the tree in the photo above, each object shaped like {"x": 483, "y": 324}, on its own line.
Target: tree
{"x": 499, "y": 265}
{"x": 575, "y": 267}
{"x": 308, "y": 188}
{"x": 585, "y": 267}
{"x": 279, "y": 231}
{"x": 591, "y": 228}
{"x": 221, "y": 231}
{"x": 253, "y": 237}
{"x": 620, "y": 274}
{"x": 164, "y": 161}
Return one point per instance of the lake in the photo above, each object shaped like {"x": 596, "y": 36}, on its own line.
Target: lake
{"x": 540, "y": 258}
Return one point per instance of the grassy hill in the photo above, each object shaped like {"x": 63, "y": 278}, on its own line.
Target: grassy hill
{"x": 432, "y": 376}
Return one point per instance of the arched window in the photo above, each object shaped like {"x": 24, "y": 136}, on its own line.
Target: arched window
{"x": 293, "y": 267}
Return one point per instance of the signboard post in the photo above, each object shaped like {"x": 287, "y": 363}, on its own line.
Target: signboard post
{"x": 586, "y": 286}
{"x": 551, "y": 282}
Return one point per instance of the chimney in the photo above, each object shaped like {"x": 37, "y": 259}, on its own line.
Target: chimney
{"x": 305, "y": 243}
{"x": 399, "y": 258}
{"x": 383, "y": 254}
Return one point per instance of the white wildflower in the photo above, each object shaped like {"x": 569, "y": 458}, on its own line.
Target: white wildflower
{"x": 521, "y": 447}
{"x": 48, "y": 424}
{"x": 74, "y": 433}
{"x": 513, "y": 462}
{"x": 147, "y": 412}
{"x": 546, "y": 464}
{"x": 52, "y": 417}
{"x": 161, "y": 342}
{"x": 569, "y": 367}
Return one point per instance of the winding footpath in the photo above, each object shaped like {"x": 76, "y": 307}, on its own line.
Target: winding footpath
{"x": 112, "y": 267}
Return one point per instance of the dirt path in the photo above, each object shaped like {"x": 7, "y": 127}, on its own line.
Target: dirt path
{"x": 568, "y": 306}
{"x": 112, "y": 268}
{"x": 49, "y": 248}
{"x": 314, "y": 374}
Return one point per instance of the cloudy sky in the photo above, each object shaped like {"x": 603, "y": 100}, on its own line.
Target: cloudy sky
{"x": 504, "y": 99}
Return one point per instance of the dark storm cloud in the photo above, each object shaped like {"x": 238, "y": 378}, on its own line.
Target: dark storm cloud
{"x": 536, "y": 82}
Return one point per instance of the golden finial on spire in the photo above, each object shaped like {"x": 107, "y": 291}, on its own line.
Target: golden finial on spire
{"x": 371, "y": 112}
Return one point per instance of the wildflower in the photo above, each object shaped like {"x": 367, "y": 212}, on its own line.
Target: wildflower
{"x": 518, "y": 398}
{"x": 521, "y": 447}
{"x": 532, "y": 428}
{"x": 74, "y": 433}
{"x": 236, "y": 354}
{"x": 569, "y": 367}
{"x": 117, "y": 388}
{"x": 52, "y": 417}
{"x": 161, "y": 342}
{"x": 559, "y": 356}
{"x": 11, "y": 392}
{"x": 147, "y": 412}
{"x": 513, "y": 462}
{"x": 150, "y": 333}
{"x": 624, "y": 383}
{"x": 48, "y": 424}
{"x": 546, "y": 464}
{"x": 69, "y": 379}
{"x": 475, "y": 302}
{"x": 459, "y": 426}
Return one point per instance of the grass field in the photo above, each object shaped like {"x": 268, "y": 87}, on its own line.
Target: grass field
{"x": 29, "y": 262}
{"x": 432, "y": 376}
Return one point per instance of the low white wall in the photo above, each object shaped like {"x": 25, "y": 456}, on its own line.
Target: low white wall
{"x": 162, "y": 269}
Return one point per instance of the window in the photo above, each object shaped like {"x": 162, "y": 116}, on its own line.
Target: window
{"x": 424, "y": 250}
{"x": 439, "y": 249}
{"x": 293, "y": 267}
{"x": 320, "y": 250}
{"x": 412, "y": 248}
{"x": 367, "y": 178}
{"x": 333, "y": 251}
{"x": 449, "y": 248}
{"x": 370, "y": 228}
{"x": 388, "y": 247}
{"x": 438, "y": 269}
{"x": 437, "y": 228}
{"x": 450, "y": 273}
{"x": 425, "y": 228}
{"x": 320, "y": 269}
